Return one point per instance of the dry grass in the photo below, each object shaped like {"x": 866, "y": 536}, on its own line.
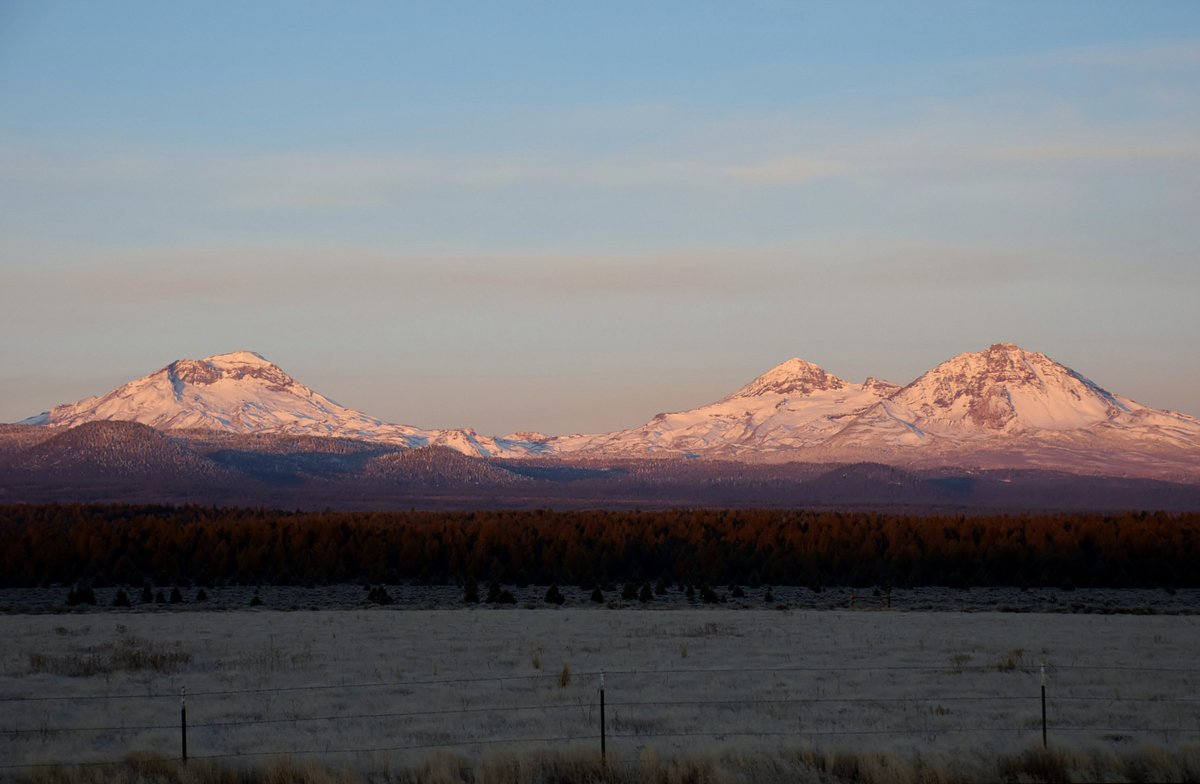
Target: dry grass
{"x": 129, "y": 654}
{"x": 730, "y": 766}
{"x": 1011, "y": 660}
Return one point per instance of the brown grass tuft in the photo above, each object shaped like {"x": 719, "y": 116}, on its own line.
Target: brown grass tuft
{"x": 130, "y": 654}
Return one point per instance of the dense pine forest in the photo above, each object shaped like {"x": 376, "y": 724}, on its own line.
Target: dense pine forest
{"x": 119, "y": 544}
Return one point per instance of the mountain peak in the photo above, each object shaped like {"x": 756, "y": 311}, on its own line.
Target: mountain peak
{"x": 244, "y": 392}
{"x": 238, "y": 358}
{"x": 1006, "y": 387}
{"x": 796, "y": 377}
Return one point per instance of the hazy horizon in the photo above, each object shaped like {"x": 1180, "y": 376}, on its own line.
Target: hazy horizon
{"x": 568, "y": 219}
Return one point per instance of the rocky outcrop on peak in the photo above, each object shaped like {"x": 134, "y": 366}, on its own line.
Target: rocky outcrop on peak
{"x": 205, "y": 373}
{"x": 795, "y": 377}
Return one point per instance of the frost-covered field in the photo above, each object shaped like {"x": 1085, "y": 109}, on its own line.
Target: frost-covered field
{"x": 380, "y": 687}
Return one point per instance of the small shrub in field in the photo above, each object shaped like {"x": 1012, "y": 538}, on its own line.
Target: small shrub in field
{"x": 498, "y": 595}
{"x": 121, "y": 599}
{"x": 256, "y": 600}
{"x": 708, "y": 595}
{"x": 661, "y": 587}
{"x": 202, "y": 595}
{"x": 160, "y": 598}
{"x": 176, "y": 595}
{"x": 683, "y": 650}
{"x": 471, "y": 591}
{"x": 597, "y": 595}
{"x": 554, "y": 596}
{"x": 81, "y": 595}
{"x": 645, "y": 594}
{"x": 629, "y": 592}
{"x": 536, "y": 658}
{"x": 736, "y": 592}
{"x": 1011, "y": 660}
{"x": 768, "y": 595}
{"x": 564, "y": 677}
{"x": 147, "y": 595}
{"x": 379, "y": 595}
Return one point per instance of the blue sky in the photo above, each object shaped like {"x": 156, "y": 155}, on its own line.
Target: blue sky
{"x": 568, "y": 217}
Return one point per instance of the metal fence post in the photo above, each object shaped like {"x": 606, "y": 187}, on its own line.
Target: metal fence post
{"x": 183, "y": 721}
{"x": 1044, "y": 704}
{"x": 603, "y": 735}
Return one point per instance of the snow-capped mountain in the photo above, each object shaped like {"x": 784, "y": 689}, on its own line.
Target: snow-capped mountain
{"x": 1006, "y": 389}
{"x": 792, "y": 406}
{"x": 1004, "y": 407}
{"x": 242, "y": 392}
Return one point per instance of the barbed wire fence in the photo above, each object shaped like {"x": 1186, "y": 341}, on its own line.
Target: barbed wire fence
{"x": 622, "y": 711}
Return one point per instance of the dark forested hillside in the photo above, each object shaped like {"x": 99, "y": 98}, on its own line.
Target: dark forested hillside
{"x": 124, "y": 462}
{"x": 132, "y": 544}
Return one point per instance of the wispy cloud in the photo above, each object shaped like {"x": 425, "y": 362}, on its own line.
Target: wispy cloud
{"x": 312, "y": 181}
{"x": 787, "y": 170}
{"x": 680, "y": 150}
{"x": 1104, "y": 151}
{"x": 277, "y": 274}
{"x": 1183, "y": 54}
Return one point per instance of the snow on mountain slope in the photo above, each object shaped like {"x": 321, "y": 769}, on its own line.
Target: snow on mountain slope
{"x": 1005, "y": 389}
{"x": 792, "y": 406}
{"x": 242, "y": 392}
{"x": 1006, "y": 406}
{"x": 1001, "y": 407}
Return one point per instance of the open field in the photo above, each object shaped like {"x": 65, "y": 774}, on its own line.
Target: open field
{"x": 384, "y": 689}
{"x": 348, "y": 596}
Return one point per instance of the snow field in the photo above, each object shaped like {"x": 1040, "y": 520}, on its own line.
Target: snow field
{"x": 379, "y": 688}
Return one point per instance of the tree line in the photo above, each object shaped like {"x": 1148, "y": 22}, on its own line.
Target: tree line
{"x": 165, "y": 545}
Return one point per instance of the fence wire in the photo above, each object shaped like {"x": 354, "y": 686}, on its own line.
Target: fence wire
{"x": 612, "y": 728}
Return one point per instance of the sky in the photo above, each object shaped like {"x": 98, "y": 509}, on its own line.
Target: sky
{"x": 568, "y": 217}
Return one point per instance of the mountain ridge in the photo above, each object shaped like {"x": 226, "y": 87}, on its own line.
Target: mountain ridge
{"x": 1003, "y": 407}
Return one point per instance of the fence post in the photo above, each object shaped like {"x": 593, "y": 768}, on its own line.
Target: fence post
{"x": 603, "y": 737}
{"x": 1044, "y": 704}
{"x": 183, "y": 721}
